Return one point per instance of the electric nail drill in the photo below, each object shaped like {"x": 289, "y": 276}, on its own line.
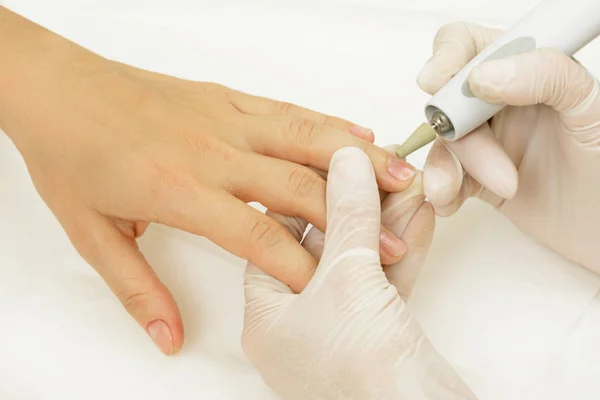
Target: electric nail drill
{"x": 453, "y": 112}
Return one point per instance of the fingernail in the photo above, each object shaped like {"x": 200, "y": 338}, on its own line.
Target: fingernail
{"x": 161, "y": 335}
{"x": 363, "y": 133}
{"x": 392, "y": 245}
{"x": 399, "y": 169}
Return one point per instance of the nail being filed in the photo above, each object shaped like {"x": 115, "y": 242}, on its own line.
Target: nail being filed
{"x": 424, "y": 134}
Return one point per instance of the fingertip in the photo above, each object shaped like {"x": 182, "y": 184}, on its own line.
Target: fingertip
{"x": 160, "y": 333}
{"x": 509, "y": 190}
{"x": 429, "y": 79}
{"x": 132, "y": 280}
{"x": 439, "y": 185}
{"x": 350, "y": 155}
{"x": 350, "y": 164}
{"x": 442, "y": 175}
{"x": 175, "y": 323}
{"x": 500, "y": 177}
{"x": 485, "y": 159}
{"x": 398, "y": 174}
{"x": 165, "y": 327}
{"x": 362, "y": 133}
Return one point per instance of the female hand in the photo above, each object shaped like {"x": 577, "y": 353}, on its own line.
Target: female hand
{"x": 111, "y": 148}
{"x": 349, "y": 335}
{"x": 550, "y": 131}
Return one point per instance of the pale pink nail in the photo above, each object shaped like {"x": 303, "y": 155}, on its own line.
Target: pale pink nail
{"x": 363, "y": 133}
{"x": 161, "y": 335}
{"x": 400, "y": 170}
{"x": 392, "y": 245}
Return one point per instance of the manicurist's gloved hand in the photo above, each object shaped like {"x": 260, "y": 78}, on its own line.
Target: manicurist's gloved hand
{"x": 549, "y": 134}
{"x": 112, "y": 148}
{"x": 349, "y": 335}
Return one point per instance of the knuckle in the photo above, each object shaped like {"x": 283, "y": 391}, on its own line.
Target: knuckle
{"x": 165, "y": 183}
{"x": 198, "y": 144}
{"x": 550, "y": 56}
{"x": 264, "y": 234}
{"x": 464, "y": 37}
{"x": 450, "y": 30}
{"x": 135, "y": 303}
{"x": 205, "y": 148}
{"x": 336, "y": 122}
{"x": 302, "y": 181}
{"x": 305, "y": 132}
{"x": 285, "y": 108}
{"x": 547, "y": 63}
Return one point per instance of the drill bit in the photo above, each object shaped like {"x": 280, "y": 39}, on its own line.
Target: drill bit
{"x": 424, "y": 135}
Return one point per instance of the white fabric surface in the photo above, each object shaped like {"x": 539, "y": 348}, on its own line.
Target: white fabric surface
{"x": 514, "y": 319}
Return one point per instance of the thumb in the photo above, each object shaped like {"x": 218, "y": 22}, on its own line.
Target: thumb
{"x": 544, "y": 76}
{"x": 353, "y": 214}
{"x": 119, "y": 262}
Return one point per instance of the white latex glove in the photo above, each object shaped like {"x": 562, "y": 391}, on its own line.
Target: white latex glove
{"x": 550, "y": 132}
{"x": 348, "y": 335}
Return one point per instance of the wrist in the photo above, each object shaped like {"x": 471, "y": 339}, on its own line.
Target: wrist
{"x": 35, "y": 73}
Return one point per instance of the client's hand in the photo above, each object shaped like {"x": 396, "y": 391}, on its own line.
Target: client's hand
{"x": 112, "y": 148}
{"x": 348, "y": 335}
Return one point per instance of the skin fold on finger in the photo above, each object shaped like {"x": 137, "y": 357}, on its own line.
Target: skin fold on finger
{"x": 442, "y": 175}
{"x": 313, "y": 144}
{"x": 250, "y": 234}
{"x": 483, "y": 157}
{"x": 132, "y": 230}
{"x": 131, "y": 279}
{"x": 454, "y": 45}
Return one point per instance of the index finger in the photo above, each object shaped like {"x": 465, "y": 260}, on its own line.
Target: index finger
{"x": 263, "y": 106}
{"x": 307, "y": 142}
{"x": 455, "y": 44}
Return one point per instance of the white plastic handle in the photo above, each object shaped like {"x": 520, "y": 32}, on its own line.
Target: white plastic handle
{"x": 565, "y": 25}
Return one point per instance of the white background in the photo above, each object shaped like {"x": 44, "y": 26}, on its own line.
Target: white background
{"x": 509, "y": 315}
